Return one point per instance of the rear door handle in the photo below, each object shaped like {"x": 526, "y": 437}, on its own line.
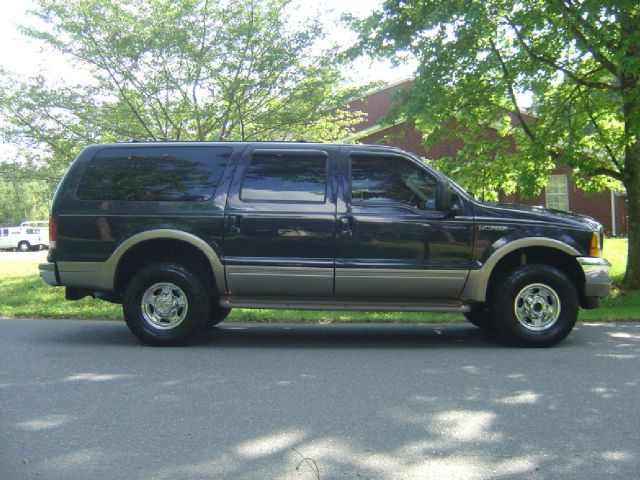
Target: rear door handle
{"x": 234, "y": 224}
{"x": 345, "y": 228}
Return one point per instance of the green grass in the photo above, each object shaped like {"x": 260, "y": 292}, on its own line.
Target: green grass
{"x": 620, "y": 305}
{"x": 23, "y": 294}
{"x": 28, "y": 296}
{"x": 615, "y": 250}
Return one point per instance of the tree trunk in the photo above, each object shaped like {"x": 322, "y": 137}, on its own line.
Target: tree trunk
{"x": 632, "y": 185}
{"x": 630, "y": 82}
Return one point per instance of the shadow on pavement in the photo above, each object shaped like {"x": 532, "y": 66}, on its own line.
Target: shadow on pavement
{"x": 362, "y": 335}
{"x": 285, "y": 335}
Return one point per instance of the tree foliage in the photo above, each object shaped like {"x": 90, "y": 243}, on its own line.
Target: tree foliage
{"x": 579, "y": 59}
{"x": 175, "y": 70}
{"x": 24, "y": 194}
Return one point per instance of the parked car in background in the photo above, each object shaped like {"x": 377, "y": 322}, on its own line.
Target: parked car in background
{"x": 42, "y": 224}
{"x": 24, "y": 238}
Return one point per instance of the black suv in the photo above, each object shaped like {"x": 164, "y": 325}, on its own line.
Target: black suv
{"x": 180, "y": 233}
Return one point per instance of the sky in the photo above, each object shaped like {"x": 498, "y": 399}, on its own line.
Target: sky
{"x": 17, "y": 54}
{"x": 28, "y": 57}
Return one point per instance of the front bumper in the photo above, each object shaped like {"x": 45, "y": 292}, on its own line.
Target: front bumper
{"x": 596, "y": 276}
{"x": 48, "y": 274}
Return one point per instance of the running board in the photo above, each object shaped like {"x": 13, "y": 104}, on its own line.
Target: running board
{"x": 332, "y": 303}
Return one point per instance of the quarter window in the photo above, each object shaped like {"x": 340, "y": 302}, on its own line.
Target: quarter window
{"x": 391, "y": 180}
{"x": 557, "y": 193}
{"x": 285, "y": 177}
{"x": 154, "y": 174}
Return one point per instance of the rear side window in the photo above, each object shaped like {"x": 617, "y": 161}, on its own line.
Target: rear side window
{"x": 285, "y": 178}
{"x": 154, "y": 174}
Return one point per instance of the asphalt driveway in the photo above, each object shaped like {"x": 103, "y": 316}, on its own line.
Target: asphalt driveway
{"x": 82, "y": 399}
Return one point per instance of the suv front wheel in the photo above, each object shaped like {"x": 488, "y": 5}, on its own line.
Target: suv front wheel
{"x": 480, "y": 316}
{"x": 166, "y": 304}
{"x": 535, "y": 305}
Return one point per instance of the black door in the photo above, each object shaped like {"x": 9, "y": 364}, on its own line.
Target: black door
{"x": 280, "y": 223}
{"x": 391, "y": 240}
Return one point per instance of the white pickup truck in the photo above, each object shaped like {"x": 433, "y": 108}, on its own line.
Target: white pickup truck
{"x": 24, "y": 238}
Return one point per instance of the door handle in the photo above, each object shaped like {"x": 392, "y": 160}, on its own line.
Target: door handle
{"x": 345, "y": 228}
{"x": 234, "y": 223}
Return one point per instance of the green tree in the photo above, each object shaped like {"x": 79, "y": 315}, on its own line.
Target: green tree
{"x": 580, "y": 59}
{"x": 24, "y": 194}
{"x": 175, "y": 70}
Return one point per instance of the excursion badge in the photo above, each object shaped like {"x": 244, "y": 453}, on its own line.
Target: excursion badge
{"x": 493, "y": 228}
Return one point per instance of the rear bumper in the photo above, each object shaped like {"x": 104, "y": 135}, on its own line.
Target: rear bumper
{"x": 48, "y": 274}
{"x": 596, "y": 276}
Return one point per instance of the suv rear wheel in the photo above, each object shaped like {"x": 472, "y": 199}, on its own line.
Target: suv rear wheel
{"x": 166, "y": 304}
{"x": 534, "y": 306}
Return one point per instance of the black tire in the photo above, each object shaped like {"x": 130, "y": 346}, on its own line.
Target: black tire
{"x": 217, "y": 314}
{"x": 534, "y": 306}
{"x": 24, "y": 246}
{"x": 480, "y": 316}
{"x": 166, "y": 304}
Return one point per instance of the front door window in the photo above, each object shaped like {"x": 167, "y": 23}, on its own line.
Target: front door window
{"x": 391, "y": 181}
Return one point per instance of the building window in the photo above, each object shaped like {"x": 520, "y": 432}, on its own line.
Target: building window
{"x": 557, "y": 192}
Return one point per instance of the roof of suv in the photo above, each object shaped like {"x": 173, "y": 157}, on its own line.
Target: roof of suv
{"x": 298, "y": 143}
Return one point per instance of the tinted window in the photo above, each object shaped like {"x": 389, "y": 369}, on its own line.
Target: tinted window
{"x": 389, "y": 180}
{"x": 288, "y": 178}
{"x": 154, "y": 173}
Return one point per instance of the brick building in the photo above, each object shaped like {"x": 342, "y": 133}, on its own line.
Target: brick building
{"x": 608, "y": 207}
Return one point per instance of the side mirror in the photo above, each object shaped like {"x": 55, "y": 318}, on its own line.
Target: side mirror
{"x": 444, "y": 202}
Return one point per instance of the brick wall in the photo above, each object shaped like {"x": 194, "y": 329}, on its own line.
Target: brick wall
{"x": 403, "y": 136}
{"x": 376, "y": 104}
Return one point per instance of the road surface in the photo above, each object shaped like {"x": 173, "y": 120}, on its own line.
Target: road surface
{"x": 83, "y": 399}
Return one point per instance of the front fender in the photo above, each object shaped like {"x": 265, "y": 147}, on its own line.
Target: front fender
{"x": 477, "y": 284}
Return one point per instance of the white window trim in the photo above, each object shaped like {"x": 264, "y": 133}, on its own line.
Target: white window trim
{"x": 558, "y": 198}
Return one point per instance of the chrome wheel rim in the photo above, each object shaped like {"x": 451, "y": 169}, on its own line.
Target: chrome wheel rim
{"x": 164, "y": 306}
{"x": 537, "y": 307}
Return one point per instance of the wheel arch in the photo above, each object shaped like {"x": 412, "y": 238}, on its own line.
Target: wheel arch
{"x": 165, "y": 245}
{"x": 546, "y": 251}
